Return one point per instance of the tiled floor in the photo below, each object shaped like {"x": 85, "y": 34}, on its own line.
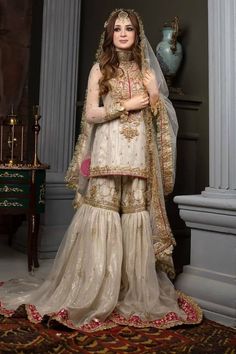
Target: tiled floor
{"x": 13, "y": 264}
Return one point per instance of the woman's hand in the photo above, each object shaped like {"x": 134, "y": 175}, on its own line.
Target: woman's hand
{"x": 137, "y": 102}
{"x": 150, "y": 83}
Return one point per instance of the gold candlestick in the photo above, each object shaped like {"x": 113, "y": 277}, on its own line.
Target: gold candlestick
{"x": 12, "y": 121}
{"x": 37, "y": 117}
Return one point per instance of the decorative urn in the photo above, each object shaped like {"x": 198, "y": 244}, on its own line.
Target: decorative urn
{"x": 169, "y": 51}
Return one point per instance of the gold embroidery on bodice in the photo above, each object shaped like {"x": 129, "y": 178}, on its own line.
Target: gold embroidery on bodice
{"x": 129, "y": 125}
{"x": 127, "y": 84}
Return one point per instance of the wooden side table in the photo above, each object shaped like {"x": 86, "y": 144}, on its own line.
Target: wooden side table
{"x": 22, "y": 191}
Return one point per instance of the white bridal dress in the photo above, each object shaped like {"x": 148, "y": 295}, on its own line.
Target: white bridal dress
{"x": 104, "y": 273}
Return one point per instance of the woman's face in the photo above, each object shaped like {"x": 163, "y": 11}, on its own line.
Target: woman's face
{"x": 124, "y": 34}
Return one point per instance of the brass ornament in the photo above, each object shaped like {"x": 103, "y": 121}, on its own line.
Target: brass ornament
{"x": 8, "y": 189}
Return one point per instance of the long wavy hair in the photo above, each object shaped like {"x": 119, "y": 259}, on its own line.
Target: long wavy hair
{"x": 109, "y": 61}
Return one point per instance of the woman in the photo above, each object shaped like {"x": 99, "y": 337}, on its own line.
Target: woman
{"x": 105, "y": 272}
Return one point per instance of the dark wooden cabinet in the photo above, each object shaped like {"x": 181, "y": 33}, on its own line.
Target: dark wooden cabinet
{"x": 22, "y": 191}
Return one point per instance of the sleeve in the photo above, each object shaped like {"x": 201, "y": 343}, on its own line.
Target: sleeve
{"x": 94, "y": 113}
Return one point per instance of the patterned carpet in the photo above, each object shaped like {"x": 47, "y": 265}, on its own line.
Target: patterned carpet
{"x": 18, "y": 335}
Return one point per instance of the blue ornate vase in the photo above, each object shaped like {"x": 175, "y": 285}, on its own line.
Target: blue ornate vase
{"x": 169, "y": 51}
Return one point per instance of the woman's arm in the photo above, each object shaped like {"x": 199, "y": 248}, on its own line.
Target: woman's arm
{"x": 95, "y": 114}
{"x": 149, "y": 81}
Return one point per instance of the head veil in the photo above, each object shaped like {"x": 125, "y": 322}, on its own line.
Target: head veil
{"x": 161, "y": 129}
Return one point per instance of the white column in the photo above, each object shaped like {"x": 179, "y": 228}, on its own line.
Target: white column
{"x": 58, "y": 96}
{"x": 222, "y": 96}
{"x": 210, "y": 277}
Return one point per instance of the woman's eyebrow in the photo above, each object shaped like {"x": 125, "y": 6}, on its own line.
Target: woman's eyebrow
{"x": 130, "y": 25}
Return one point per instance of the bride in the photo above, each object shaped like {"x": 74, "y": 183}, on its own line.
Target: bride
{"x": 114, "y": 263}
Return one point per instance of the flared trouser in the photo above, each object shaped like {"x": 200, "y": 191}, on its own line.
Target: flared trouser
{"x": 142, "y": 292}
{"x": 104, "y": 272}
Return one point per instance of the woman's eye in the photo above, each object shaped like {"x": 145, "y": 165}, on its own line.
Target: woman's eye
{"x": 118, "y": 29}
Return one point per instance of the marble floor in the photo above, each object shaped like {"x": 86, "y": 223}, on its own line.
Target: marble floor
{"x": 13, "y": 263}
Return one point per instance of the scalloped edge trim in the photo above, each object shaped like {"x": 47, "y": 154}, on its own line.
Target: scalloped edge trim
{"x": 171, "y": 319}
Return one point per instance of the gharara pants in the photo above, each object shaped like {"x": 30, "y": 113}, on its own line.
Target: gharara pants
{"x": 104, "y": 272}
{"x": 141, "y": 292}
